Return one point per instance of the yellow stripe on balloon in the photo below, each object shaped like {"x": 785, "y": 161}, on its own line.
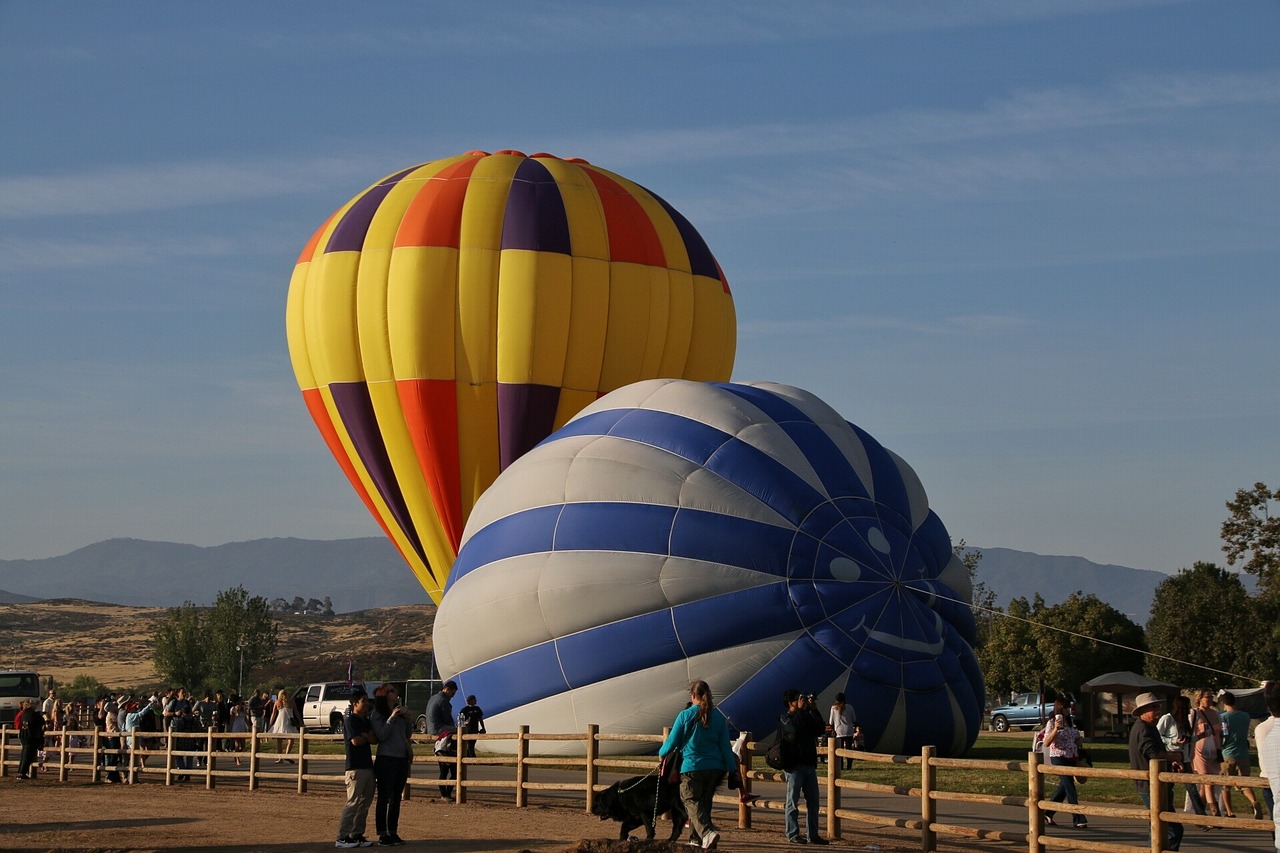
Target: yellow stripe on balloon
{"x": 534, "y": 300}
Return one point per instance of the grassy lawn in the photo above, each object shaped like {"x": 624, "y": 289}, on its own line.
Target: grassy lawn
{"x": 1007, "y": 748}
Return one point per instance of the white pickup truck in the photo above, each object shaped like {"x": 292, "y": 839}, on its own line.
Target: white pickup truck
{"x": 322, "y": 706}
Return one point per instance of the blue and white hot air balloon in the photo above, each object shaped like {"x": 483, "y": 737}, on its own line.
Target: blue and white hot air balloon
{"x": 745, "y": 534}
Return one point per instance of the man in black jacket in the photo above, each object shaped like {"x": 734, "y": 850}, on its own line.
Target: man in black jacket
{"x": 31, "y": 735}
{"x": 800, "y": 727}
{"x": 1146, "y": 745}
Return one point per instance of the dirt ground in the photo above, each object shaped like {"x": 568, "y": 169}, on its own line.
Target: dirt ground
{"x": 81, "y": 816}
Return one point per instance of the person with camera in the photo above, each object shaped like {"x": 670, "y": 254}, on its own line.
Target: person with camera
{"x": 799, "y": 728}
{"x": 393, "y": 727}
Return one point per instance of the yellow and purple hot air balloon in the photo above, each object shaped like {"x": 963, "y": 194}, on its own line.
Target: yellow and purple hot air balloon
{"x": 454, "y": 314}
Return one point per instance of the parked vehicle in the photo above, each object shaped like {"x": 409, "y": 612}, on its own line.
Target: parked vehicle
{"x": 1024, "y": 711}
{"x": 15, "y": 686}
{"x": 417, "y": 692}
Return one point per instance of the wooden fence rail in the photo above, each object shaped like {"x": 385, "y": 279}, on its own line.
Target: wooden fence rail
{"x": 208, "y": 750}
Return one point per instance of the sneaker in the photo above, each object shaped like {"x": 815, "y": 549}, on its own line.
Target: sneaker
{"x": 395, "y": 839}
{"x": 385, "y": 841}
{"x": 818, "y": 839}
{"x": 346, "y": 842}
{"x": 710, "y": 840}
{"x": 361, "y": 841}
{"x": 796, "y": 840}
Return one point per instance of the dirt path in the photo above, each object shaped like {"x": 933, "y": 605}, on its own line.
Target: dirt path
{"x": 48, "y": 815}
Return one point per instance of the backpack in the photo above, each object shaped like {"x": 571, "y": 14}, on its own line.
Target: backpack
{"x": 781, "y": 754}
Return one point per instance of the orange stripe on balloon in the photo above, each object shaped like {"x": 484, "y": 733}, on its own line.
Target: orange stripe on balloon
{"x": 632, "y": 236}
{"x": 434, "y": 217}
{"x": 320, "y": 414}
{"x": 431, "y": 412}
{"x": 309, "y": 250}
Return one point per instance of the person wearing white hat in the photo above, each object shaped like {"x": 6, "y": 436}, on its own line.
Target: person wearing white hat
{"x": 1145, "y": 746}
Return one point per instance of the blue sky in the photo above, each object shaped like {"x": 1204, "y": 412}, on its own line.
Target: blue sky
{"x": 1030, "y": 246}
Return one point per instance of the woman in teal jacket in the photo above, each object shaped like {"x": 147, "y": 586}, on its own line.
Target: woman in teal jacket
{"x": 701, "y": 733}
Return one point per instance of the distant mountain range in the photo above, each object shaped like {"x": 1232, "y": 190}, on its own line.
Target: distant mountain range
{"x": 358, "y": 574}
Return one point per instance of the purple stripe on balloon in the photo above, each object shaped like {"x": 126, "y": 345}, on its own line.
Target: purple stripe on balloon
{"x": 356, "y": 411}
{"x": 701, "y": 261}
{"x": 526, "y": 415}
{"x": 348, "y": 234}
{"x": 535, "y": 217}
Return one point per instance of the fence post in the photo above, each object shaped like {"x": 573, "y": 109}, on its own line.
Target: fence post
{"x": 302, "y": 760}
{"x": 458, "y": 755}
{"x": 168, "y": 757}
{"x": 134, "y": 743}
{"x": 459, "y": 791}
{"x": 522, "y": 769}
{"x": 63, "y": 741}
{"x": 4, "y": 751}
{"x": 97, "y": 755}
{"x": 744, "y": 809}
{"x": 1035, "y": 793}
{"x": 833, "y": 790}
{"x": 593, "y": 772}
{"x": 210, "y": 762}
{"x": 253, "y": 756}
{"x": 1155, "y": 795}
{"x": 928, "y": 805}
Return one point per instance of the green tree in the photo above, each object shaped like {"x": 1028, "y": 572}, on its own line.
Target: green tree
{"x": 238, "y": 623}
{"x": 1186, "y": 625}
{"x": 983, "y": 598}
{"x": 178, "y": 647}
{"x": 1084, "y": 637}
{"x": 1251, "y": 535}
{"x": 85, "y": 685}
{"x": 1011, "y": 658}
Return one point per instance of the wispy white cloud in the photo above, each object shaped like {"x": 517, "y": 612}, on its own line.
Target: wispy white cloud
{"x": 536, "y": 28}
{"x": 175, "y": 185}
{"x": 965, "y": 325}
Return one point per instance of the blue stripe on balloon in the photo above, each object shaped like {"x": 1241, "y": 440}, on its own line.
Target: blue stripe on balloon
{"x": 527, "y": 532}
{"x": 637, "y": 527}
{"x": 516, "y": 679}
{"x": 832, "y": 466}
{"x": 729, "y": 540}
{"x": 685, "y": 438}
{"x": 703, "y": 625}
{"x": 634, "y": 644}
{"x": 890, "y": 491}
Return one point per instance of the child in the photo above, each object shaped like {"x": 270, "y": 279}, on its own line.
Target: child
{"x": 742, "y": 750}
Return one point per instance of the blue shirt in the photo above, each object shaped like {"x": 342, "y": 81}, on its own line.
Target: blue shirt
{"x": 703, "y": 747}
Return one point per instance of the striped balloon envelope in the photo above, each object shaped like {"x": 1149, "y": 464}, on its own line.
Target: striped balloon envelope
{"x": 453, "y": 314}
{"x": 744, "y": 534}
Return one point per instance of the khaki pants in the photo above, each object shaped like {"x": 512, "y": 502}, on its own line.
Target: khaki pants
{"x": 359, "y": 796}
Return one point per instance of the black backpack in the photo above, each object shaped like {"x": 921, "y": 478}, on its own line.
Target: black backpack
{"x": 782, "y": 754}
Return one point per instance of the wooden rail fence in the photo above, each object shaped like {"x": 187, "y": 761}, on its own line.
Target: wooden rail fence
{"x": 217, "y": 764}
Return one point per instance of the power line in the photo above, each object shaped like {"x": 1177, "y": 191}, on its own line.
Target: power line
{"x": 994, "y": 611}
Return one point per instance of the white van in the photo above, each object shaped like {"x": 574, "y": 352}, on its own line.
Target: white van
{"x": 15, "y": 686}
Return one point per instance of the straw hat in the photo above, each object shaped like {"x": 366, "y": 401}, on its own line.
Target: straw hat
{"x": 1144, "y": 701}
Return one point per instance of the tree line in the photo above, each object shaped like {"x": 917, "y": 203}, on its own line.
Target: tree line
{"x": 1205, "y": 628}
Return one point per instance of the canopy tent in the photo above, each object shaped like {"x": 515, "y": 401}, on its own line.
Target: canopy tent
{"x": 1250, "y": 700}
{"x": 1107, "y": 719}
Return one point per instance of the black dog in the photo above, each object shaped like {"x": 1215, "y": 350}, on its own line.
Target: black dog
{"x": 636, "y": 801}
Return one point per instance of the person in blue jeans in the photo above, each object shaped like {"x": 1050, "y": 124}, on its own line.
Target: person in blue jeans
{"x": 1062, "y": 746}
{"x": 800, "y": 727}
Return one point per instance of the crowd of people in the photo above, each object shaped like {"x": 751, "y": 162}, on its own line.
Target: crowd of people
{"x": 124, "y": 720}
{"x": 1200, "y": 739}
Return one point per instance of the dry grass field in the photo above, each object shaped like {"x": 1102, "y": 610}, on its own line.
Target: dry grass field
{"x": 67, "y": 638}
